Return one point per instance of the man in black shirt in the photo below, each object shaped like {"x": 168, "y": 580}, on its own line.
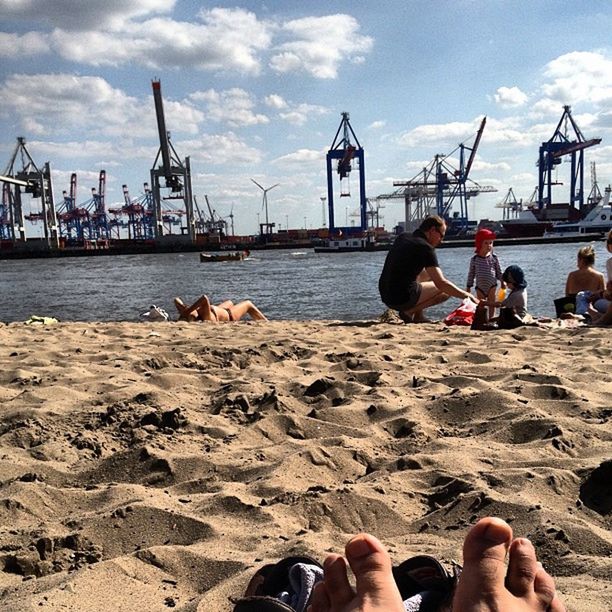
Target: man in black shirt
{"x": 412, "y": 280}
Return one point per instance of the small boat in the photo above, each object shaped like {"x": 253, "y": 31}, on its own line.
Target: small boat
{"x": 226, "y": 256}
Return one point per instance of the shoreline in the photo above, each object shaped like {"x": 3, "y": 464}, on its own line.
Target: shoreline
{"x": 152, "y": 464}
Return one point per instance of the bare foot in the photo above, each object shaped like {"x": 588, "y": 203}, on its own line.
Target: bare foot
{"x": 375, "y": 587}
{"x": 182, "y": 310}
{"x": 486, "y": 583}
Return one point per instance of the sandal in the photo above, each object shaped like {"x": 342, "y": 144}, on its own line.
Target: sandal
{"x": 285, "y": 586}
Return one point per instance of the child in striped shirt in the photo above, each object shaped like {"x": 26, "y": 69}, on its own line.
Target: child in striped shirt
{"x": 485, "y": 269}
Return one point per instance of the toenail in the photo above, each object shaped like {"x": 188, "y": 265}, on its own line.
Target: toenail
{"x": 496, "y": 532}
{"x": 361, "y": 548}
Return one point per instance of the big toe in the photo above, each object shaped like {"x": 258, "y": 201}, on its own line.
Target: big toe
{"x": 372, "y": 568}
{"x": 484, "y": 568}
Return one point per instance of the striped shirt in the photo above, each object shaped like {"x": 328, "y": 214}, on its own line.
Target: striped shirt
{"x": 486, "y": 271}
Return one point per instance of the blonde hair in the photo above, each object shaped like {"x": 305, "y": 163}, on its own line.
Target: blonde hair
{"x": 587, "y": 254}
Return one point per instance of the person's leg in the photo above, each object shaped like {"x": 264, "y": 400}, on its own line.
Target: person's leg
{"x": 490, "y": 297}
{"x": 184, "y": 311}
{"x": 606, "y": 318}
{"x": 485, "y": 585}
{"x": 430, "y": 296}
{"x": 200, "y": 309}
{"x": 246, "y": 307}
{"x": 226, "y": 304}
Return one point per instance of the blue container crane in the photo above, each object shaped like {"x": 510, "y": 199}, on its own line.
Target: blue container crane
{"x": 563, "y": 143}
{"x": 346, "y": 151}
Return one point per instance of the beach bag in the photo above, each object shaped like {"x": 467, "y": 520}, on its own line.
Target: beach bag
{"x": 463, "y": 314}
{"x": 565, "y": 304}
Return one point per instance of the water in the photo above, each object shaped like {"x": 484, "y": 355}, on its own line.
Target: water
{"x": 284, "y": 284}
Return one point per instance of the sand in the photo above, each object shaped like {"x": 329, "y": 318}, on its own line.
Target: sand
{"x": 150, "y": 466}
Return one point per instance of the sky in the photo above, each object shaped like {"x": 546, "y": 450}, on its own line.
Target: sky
{"x": 255, "y": 90}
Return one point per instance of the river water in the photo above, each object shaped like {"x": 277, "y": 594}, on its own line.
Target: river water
{"x": 284, "y": 284}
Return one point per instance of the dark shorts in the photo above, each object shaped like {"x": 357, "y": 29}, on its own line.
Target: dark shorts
{"x": 413, "y": 298}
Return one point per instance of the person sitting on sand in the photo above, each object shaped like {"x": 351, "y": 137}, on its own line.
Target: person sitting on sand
{"x": 602, "y": 303}
{"x": 411, "y": 279}
{"x": 516, "y": 300}
{"x": 585, "y": 282}
{"x": 486, "y": 584}
{"x": 203, "y": 310}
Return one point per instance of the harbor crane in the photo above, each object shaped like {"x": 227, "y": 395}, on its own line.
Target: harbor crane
{"x": 346, "y": 151}
{"x": 510, "y": 205}
{"x": 175, "y": 173}
{"x": 269, "y": 227}
{"x": 439, "y": 185}
{"x": 89, "y": 221}
{"x": 37, "y": 183}
{"x": 214, "y": 225}
{"x": 567, "y": 140}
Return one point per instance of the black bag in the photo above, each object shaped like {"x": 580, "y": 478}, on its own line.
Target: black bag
{"x": 565, "y": 304}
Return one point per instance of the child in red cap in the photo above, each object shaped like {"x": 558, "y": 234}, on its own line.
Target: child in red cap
{"x": 485, "y": 269}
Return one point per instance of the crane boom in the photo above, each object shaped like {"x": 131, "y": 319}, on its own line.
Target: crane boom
{"x": 172, "y": 180}
{"x": 475, "y": 148}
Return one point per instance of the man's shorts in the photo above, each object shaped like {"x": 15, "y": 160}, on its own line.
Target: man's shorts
{"x": 413, "y": 299}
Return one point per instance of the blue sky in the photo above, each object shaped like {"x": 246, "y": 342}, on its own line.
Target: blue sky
{"x": 255, "y": 90}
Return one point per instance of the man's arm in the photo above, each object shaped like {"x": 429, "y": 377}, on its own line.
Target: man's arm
{"x": 444, "y": 285}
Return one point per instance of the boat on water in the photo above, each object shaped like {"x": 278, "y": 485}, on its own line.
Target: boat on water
{"x": 597, "y": 221}
{"x": 351, "y": 244}
{"x": 225, "y": 256}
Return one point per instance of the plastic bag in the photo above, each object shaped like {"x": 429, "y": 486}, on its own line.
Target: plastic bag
{"x": 155, "y": 314}
{"x": 463, "y": 314}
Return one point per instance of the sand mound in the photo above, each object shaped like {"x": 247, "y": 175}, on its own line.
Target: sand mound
{"x": 155, "y": 466}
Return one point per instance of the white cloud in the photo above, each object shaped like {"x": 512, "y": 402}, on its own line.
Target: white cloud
{"x": 227, "y": 40}
{"x": 480, "y": 165}
{"x": 61, "y": 103}
{"x": 300, "y": 114}
{"x": 377, "y": 125}
{"x": 31, "y": 43}
{"x": 320, "y": 45}
{"x": 275, "y": 101}
{"x": 454, "y": 132}
{"x": 579, "y": 76}
{"x": 220, "y": 149}
{"x": 510, "y": 97}
{"x": 300, "y": 157}
{"x": 233, "y": 106}
{"x": 79, "y": 15}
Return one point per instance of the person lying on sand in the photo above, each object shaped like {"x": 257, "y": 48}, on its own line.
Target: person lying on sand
{"x": 203, "y": 310}
{"x": 486, "y": 583}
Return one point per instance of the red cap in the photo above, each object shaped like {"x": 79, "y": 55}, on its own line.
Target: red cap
{"x": 481, "y": 236}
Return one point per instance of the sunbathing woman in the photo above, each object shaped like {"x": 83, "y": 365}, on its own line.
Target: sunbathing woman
{"x": 203, "y": 310}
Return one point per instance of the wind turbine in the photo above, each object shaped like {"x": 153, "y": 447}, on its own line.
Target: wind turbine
{"x": 264, "y": 203}
{"x": 231, "y": 218}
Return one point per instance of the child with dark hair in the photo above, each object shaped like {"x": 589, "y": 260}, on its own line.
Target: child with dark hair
{"x": 514, "y": 306}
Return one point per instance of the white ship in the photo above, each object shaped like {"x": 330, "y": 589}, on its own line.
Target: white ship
{"x": 597, "y": 221}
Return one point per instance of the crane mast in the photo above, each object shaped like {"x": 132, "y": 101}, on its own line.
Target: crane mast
{"x": 177, "y": 178}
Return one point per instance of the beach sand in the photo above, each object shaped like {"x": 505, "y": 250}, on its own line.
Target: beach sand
{"x": 150, "y": 466}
